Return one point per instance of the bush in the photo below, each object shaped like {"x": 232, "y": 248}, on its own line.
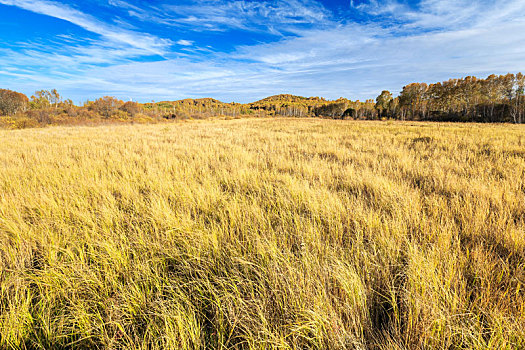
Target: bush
{"x": 106, "y": 106}
{"x": 131, "y": 108}
{"x": 42, "y": 116}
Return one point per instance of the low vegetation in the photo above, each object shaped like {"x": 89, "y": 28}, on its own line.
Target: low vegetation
{"x": 257, "y": 234}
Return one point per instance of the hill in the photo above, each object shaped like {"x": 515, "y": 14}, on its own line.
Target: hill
{"x": 498, "y": 98}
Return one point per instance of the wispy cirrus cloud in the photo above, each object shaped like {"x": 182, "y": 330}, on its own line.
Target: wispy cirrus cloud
{"x": 374, "y": 55}
{"x": 184, "y": 42}
{"x": 143, "y": 41}
{"x": 316, "y": 51}
{"x": 444, "y": 15}
{"x": 209, "y": 15}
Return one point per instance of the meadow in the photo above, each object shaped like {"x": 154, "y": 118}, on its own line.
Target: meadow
{"x": 263, "y": 234}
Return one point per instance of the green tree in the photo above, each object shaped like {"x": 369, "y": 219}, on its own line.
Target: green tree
{"x": 383, "y": 102}
{"x": 45, "y": 98}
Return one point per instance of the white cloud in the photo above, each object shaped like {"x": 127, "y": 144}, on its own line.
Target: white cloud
{"x": 185, "y": 42}
{"x": 208, "y": 15}
{"x": 146, "y": 42}
{"x": 436, "y": 41}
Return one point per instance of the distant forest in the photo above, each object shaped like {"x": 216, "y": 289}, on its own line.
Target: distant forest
{"x": 498, "y": 98}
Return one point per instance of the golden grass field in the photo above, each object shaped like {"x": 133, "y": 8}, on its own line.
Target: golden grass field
{"x": 263, "y": 234}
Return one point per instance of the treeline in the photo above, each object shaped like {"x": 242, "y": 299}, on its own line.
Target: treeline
{"x": 298, "y": 106}
{"x": 498, "y": 98}
{"x": 273, "y": 106}
{"x": 197, "y": 109}
{"x": 46, "y": 107}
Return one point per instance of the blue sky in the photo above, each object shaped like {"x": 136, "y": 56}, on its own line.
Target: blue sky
{"x": 246, "y": 50}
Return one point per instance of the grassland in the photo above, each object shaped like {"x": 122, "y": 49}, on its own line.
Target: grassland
{"x": 285, "y": 234}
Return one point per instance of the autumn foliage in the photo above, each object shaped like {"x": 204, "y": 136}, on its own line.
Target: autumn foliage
{"x": 12, "y": 102}
{"x": 498, "y": 98}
